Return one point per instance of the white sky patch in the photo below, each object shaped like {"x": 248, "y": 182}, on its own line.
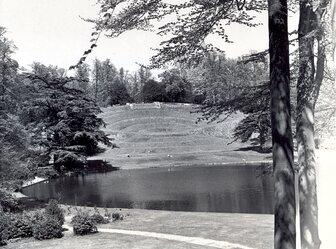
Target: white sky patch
{"x": 51, "y": 32}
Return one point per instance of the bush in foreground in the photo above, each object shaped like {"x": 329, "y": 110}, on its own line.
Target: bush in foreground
{"x": 4, "y": 225}
{"x": 54, "y": 211}
{"x": 7, "y": 201}
{"x": 48, "y": 228}
{"x": 83, "y": 224}
{"x": 117, "y": 216}
{"x": 99, "y": 219}
{"x": 20, "y": 226}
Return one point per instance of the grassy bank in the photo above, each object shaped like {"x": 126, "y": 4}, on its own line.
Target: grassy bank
{"x": 151, "y": 136}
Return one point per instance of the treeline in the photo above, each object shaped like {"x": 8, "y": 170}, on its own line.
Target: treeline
{"x": 44, "y": 119}
{"x": 215, "y": 77}
{"x": 108, "y": 85}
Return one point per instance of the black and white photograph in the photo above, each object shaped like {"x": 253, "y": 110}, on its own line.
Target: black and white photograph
{"x": 167, "y": 124}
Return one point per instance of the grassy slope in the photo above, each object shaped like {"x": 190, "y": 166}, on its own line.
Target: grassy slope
{"x": 168, "y": 136}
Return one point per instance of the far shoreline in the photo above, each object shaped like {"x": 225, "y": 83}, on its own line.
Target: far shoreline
{"x": 38, "y": 179}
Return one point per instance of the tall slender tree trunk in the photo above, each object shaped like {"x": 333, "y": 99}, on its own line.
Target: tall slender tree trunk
{"x": 96, "y": 81}
{"x": 284, "y": 195}
{"x": 333, "y": 30}
{"x": 308, "y": 86}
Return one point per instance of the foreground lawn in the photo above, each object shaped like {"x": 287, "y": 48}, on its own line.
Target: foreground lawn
{"x": 254, "y": 231}
{"x": 100, "y": 240}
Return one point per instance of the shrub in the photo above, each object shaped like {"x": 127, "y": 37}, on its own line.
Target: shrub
{"x": 21, "y": 226}
{"x": 48, "y": 228}
{"x": 54, "y": 211}
{"x": 7, "y": 201}
{"x": 83, "y": 224}
{"x": 117, "y": 216}
{"x": 36, "y": 217}
{"x": 4, "y": 225}
{"x": 98, "y": 219}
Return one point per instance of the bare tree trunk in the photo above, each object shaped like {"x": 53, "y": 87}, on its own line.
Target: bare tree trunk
{"x": 308, "y": 87}
{"x": 96, "y": 75}
{"x": 333, "y": 27}
{"x": 284, "y": 193}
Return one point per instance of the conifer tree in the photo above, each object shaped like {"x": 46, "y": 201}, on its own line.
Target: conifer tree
{"x": 62, "y": 120}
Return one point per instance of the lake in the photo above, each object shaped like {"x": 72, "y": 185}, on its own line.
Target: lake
{"x": 229, "y": 189}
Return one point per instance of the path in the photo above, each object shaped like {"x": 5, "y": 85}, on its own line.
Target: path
{"x": 180, "y": 238}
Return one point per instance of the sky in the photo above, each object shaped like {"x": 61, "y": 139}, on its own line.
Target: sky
{"x": 52, "y": 32}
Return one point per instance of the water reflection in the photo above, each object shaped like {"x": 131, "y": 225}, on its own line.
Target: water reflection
{"x": 211, "y": 189}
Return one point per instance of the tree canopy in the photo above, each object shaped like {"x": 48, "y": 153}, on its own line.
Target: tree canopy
{"x": 61, "y": 119}
{"x": 186, "y": 25}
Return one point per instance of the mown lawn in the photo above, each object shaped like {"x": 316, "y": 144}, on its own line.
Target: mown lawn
{"x": 251, "y": 230}
{"x": 101, "y": 240}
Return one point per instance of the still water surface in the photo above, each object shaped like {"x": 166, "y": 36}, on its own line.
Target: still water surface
{"x": 230, "y": 189}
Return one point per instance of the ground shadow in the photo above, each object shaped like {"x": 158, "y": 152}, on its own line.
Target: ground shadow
{"x": 256, "y": 149}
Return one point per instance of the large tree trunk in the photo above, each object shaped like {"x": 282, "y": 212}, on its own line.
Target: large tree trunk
{"x": 284, "y": 209}
{"x": 308, "y": 86}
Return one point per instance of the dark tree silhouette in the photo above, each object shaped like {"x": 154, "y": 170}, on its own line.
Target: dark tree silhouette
{"x": 62, "y": 121}
{"x": 282, "y": 141}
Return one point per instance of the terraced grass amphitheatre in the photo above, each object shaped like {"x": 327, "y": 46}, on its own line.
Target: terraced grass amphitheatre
{"x": 163, "y": 134}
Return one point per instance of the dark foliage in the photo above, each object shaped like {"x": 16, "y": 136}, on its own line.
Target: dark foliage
{"x": 98, "y": 219}
{"x": 257, "y": 120}
{"x": 62, "y": 120}
{"x": 153, "y": 91}
{"x": 83, "y": 224}
{"x": 48, "y": 228}
{"x": 53, "y": 211}
{"x": 252, "y": 101}
{"x": 118, "y": 93}
{"x": 117, "y": 216}
{"x": 177, "y": 88}
{"x": 7, "y": 202}
{"x": 15, "y": 160}
{"x": 21, "y": 226}
{"x": 4, "y": 226}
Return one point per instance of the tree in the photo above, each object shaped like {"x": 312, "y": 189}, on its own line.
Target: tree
{"x": 177, "y": 88}
{"x": 235, "y": 85}
{"x": 14, "y": 149}
{"x": 83, "y": 74}
{"x": 144, "y": 75}
{"x": 254, "y": 102}
{"x": 325, "y": 112}
{"x": 255, "y": 105}
{"x": 282, "y": 141}
{"x": 8, "y": 73}
{"x": 310, "y": 78}
{"x": 61, "y": 119}
{"x": 96, "y": 78}
{"x": 333, "y": 31}
{"x": 118, "y": 93}
{"x": 153, "y": 91}
{"x": 134, "y": 89}
{"x": 109, "y": 74}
